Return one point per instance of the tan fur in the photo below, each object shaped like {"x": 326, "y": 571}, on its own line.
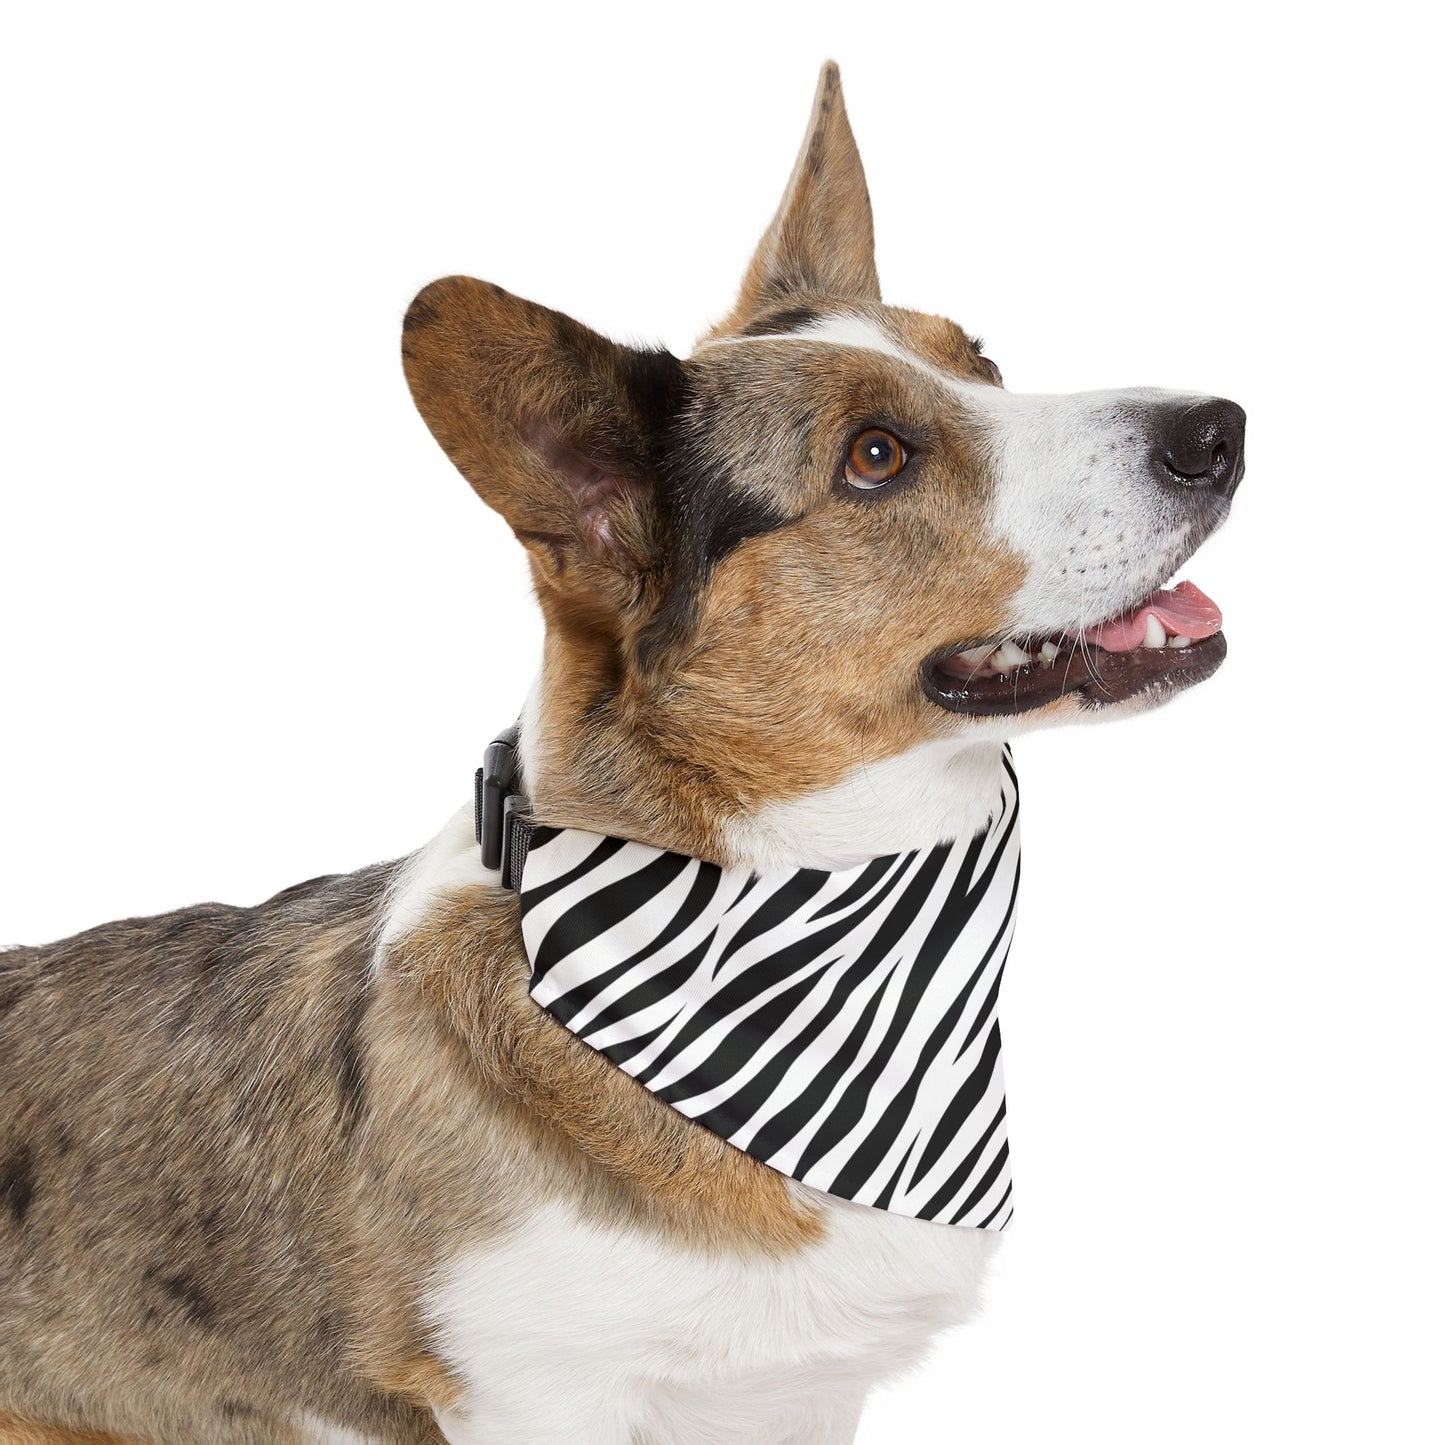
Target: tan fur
{"x": 14, "y": 1431}
{"x": 668, "y": 1173}
{"x": 420, "y": 1378}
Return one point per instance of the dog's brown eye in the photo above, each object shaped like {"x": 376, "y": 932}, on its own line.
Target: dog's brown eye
{"x": 875, "y": 457}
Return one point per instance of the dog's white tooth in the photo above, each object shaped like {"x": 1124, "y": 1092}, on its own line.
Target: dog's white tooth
{"x": 1179, "y": 641}
{"x": 1049, "y": 651}
{"x": 1013, "y": 655}
{"x": 976, "y": 655}
{"x": 1154, "y": 634}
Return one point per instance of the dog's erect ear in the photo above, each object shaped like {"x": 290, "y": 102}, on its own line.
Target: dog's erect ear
{"x": 820, "y": 243}
{"x": 555, "y": 426}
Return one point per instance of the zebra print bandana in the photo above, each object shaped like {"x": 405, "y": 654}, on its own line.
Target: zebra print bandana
{"x": 841, "y": 1027}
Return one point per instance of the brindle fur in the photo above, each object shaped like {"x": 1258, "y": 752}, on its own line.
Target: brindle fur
{"x": 186, "y": 1103}
{"x": 232, "y": 1148}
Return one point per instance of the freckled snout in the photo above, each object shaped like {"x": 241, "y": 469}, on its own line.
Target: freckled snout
{"x": 1199, "y": 443}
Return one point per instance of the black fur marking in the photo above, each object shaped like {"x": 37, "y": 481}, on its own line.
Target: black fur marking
{"x": 11, "y": 992}
{"x": 421, "y": 313}
{"x": 655, "y": 384}
{"x": 235, "y": 1410}
{"x": 815, "y": 148}
{"x": 184, "y": 1292}
{"x": 17, "y": 1183}
{"x": 726, "y": 520}
{"x": 327, "y": 1335}
{"x": 710, "y": 514}
{"x": 210, "y": 1228}
{"x": 648, "y": 383}
{"x": 779, "y": 323}
{"x": 708, "y": 517}
{"x": 350, "y": 1069}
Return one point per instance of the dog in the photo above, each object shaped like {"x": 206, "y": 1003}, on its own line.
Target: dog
{"x": 322, "y": 1170}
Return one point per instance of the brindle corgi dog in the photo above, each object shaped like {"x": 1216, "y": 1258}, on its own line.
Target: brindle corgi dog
{"x": 321, "y": 1170}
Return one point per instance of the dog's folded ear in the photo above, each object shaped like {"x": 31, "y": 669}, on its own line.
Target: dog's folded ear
{"x": 820, "y": 244}
{"x": 558, "y": 428}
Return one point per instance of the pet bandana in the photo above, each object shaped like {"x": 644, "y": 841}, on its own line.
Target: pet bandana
{"x": 840, "y": 1026}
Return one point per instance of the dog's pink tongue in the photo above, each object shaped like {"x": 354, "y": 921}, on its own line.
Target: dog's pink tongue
{"x": 1184, "y": 612}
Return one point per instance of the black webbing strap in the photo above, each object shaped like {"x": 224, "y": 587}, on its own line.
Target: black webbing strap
{"x": 504, "y": 831}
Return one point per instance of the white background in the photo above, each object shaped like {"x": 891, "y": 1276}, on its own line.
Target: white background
{"x": 256, "y": 629}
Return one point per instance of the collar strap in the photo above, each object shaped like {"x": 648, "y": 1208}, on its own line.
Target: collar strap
{"x": 504, "y": 830}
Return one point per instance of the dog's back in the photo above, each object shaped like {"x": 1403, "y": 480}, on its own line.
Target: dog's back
{"x": 182, "y": 1099}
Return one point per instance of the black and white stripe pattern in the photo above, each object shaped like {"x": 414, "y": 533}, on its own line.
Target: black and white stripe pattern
{"x": 841, "y": 1027}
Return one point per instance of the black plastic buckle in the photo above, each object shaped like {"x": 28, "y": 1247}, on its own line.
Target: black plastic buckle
{"x": 501, "y": 807}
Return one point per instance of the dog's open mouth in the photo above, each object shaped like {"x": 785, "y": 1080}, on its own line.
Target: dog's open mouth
{"x": 1170, "y": 640}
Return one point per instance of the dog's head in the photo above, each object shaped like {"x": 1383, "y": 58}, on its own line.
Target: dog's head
{"x": 827, "y": 537}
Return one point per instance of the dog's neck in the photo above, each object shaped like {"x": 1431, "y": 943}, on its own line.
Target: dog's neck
{"x": 594, "y": 771}
{"x": 583, "y": 769}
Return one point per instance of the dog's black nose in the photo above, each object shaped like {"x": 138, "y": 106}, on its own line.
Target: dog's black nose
{"x": 1200, "y": 443}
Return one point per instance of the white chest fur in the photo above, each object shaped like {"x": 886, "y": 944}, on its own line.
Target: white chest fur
{"x": 568, "y": 1331}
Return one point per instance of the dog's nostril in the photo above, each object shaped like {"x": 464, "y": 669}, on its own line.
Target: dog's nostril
{"x": 1200, "y": 444}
